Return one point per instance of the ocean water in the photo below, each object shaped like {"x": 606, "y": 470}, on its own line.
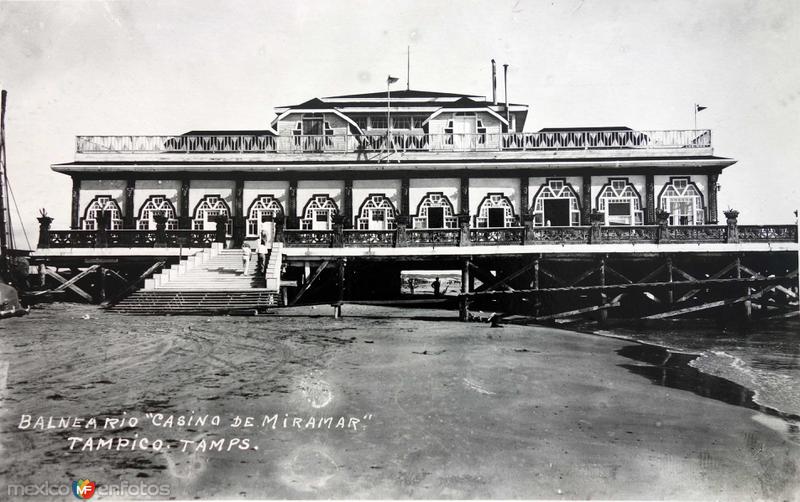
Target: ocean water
{"x": 762, "y": 356}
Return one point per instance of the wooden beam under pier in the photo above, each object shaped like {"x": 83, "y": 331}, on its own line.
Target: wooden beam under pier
{"x": 485, "y": 276}
{"x": 703, "y": 282}
{"x": 306, "y": 285}
{"x": 788, "y": 292}
{"x": 584, "y": 310}
{"x": 130, "y": 286}
{"x": 710, "y": 305}
{"x": 509, "y": 277}
{"x": 68, "y": 283}
{"x": 719, "y": 274}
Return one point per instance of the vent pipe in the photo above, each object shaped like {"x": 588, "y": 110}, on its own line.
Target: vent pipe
{"x": 505, "y": 85}
{"x": 494, "y": 83}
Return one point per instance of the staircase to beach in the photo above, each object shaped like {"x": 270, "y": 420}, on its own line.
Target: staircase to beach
{"x": 209, "y": 282}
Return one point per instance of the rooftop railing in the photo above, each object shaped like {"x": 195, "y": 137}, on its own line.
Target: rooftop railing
{"x": 396, "y": 142}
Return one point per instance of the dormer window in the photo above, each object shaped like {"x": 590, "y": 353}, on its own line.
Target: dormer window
{"x": 481, "y": 132}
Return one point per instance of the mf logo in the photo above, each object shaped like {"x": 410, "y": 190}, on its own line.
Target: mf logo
{"x": 83, "y": 489}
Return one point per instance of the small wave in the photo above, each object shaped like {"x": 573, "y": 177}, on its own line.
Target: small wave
{"x": 771, "y": 388}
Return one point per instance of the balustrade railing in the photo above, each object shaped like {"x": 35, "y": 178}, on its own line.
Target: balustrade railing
{"x": 767, "y": 233}
{"x": 72, "y": 238}
{"x": 433, "y": 237}
{"x": 308, "y": 238}
{"x": 622, "y": 234}
{"x": 395, "y": 142}
{"x": 558, "y": 235}
{"x": 694, "y": 233}
{"x": 438, "y": 237}
{"x": 130, "y": 238}
{"x": 371, "y": 238}
{"x": 493, "y": 236}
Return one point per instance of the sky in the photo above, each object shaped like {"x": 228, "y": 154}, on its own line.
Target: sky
{"x": 166, "y": 67}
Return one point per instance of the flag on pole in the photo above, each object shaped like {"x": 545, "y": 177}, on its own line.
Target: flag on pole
{"x": 700, "y": 108}
{"x": 391, "y": 80}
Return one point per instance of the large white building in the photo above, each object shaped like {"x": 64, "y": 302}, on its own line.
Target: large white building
{"x": 416, "y": 157}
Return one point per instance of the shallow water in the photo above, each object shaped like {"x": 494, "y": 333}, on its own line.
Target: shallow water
{"x": 763, "y": 357}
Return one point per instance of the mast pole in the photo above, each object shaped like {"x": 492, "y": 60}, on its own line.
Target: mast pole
{"x": 408, "y": 68}
{"x": 3, "y": 190}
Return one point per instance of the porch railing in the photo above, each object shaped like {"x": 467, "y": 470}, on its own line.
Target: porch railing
{"x": 403, "y": 237}
{"x": 433, "y": 237}
{"x": 394, "y": 142}
{"x": 129, "y": 238}
{"x": 494, "y": 236}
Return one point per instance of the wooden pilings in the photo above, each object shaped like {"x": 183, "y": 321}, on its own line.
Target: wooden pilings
{"x": 463, "y": 303}
{"x": 712, "y": 282}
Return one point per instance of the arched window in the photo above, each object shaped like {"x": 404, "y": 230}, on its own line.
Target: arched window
{"x": 207, "y": 209}
{"x": 435, "y": 211}
{"x": 376, "y": 213}
{"x": 263, "y": 205}
{"x": 620, "y": 202}
{"x": 318, "y": 213}
{"x": 495, "y": 210}
{"x": 102, "y": 203}
{"x": 556, "y": 204}
{"x": 683, "y": 200}
{"x": 156, "y": 204}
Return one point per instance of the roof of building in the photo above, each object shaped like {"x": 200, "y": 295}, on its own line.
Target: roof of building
{"x": 592, "y": 129}
{"x": 237, "y": 132}
{"x": 410, "y": 93}
{"x": 405, "y": 99}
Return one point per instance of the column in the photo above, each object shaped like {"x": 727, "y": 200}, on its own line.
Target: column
{"x": 291, "y": 221}
{"x": 184, "y": 218}
{"x": 128, "y": 211}
{"x": 347, "y": 209}
{"x": 238, "y": 213}
{"x": 524, "y": 210}
{"x": 464, "y": 195}
{"x": 76, "y": 203}
{"x": 649, "y": 200}
{"x": 463, "y": 303}
{"x": 713, "y": 217}
{"x": 405, "y": 198}
{"x": 586, "y": 195}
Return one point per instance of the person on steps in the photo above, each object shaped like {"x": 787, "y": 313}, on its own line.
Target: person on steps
{"x": 245, "y": 258}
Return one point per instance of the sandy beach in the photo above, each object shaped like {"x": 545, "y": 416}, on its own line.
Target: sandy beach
{"x": 444, "y": 410}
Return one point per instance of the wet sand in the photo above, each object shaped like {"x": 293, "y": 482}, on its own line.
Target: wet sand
{"x": 448, "y": 410}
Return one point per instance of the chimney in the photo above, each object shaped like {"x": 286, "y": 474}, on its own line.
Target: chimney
{"x": 505, "y": 84}
{"x": 494, "y": 82}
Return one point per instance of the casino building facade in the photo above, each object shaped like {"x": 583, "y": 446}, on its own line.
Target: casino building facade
{"x": 368, "y": 162}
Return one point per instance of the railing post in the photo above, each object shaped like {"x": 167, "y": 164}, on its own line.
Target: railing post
{"x": 102, "y": 220}
{"x": 338, "y": 231}
{"x": 732, "y": 232}
{"x": 463, "y": 227}
{"x": 44, "y": 231}
{"x": 662, "y": 219}
{"x": 527, "y": 233}
{"x": 401, "y": 237}
{"x": 161, "y": 230}
{"x": 596, "y": 219}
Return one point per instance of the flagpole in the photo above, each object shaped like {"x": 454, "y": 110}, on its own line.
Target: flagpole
{"x": 388, "y": 115}
{"x": 695, "y": 116}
